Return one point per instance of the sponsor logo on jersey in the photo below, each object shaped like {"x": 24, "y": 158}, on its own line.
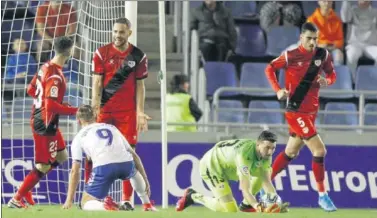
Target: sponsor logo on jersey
{"x": 131, "y": 63}
{"x": 317, "y": 62}
{"x": 54, "y": 92}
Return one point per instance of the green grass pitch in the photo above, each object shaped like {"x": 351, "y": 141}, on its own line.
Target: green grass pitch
{"x": 191, "y": 212}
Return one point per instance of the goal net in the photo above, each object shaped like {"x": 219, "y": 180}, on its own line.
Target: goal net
{"x": 90, "y": 24}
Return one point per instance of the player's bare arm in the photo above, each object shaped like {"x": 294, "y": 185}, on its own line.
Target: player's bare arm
{"x": 97, "y": 88}
{"x": 139, "y": 166}
{"x": 74, "y": 178}
{"x": 142, "y": 118}
{"x": 245, "y": 189}
{"x": 267, "y": 183}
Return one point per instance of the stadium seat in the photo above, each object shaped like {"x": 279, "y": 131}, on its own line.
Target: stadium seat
{"x": 341, "y": 119}
{"x": 253, "y": 76}
{"x": 241, "y": 8}
{"x": 264, "y": 117}
{"x": 219, "y": 74}
{"x": 18, "y": 28}
{"x": 230, "y": 116}
{"x": 280, "y": 38}
{"x": 366, "y": 79}
{"x": 70, "y": 70}
{"x": 281, "y": 78}
{"x": 343, "y": 82}
{"x": 309, "y": 7}
{"x": 250, "y": 41}
{"x": 370, "y": 119}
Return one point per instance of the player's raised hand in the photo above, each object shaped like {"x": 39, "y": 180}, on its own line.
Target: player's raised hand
{"x": 142, "y": 121}
{"x": 282, "y": 94}
{"x": 322, "y": 81}
{"x": 67, "y": 205}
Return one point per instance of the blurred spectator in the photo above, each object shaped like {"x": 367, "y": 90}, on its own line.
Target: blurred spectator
{"x": 53, "y": 19}
{"x": 21, "y": 66}
{"x": 330, "y": 28}
{"x": 363, "y": 32}
{"x": 181, "y": 108}
{"x": 276, "y": 14}
{"x": 216, "y": 30}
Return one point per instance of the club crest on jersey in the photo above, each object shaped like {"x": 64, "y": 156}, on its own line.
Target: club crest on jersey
{"x": 317, "y": 63}
{"x": 131, "y": 63}
{"x": 54, "y": 92}
{"x": 56, "y": 82}
{"x": 245, "y": 170}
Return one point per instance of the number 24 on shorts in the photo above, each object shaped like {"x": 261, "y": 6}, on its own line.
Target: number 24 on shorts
{"x": 302, "y": 124}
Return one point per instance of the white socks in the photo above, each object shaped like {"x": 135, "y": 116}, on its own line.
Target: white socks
{"x": 138, "y": 184}
{"x": 93, "y": 205}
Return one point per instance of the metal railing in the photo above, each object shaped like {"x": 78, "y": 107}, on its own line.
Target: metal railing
{"x": 242, "y": 90}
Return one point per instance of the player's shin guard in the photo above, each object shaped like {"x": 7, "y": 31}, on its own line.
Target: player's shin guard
{"x": 280, "y": 163}
{"x": 88, "y": 170}
{"x": 127, "y": 190}
{"x": 318, "y": 167}
{"x": 29, "y": 182}
{"x": 138, "y": 184}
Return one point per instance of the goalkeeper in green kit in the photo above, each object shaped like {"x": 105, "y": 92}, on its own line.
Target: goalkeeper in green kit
{"x": 243, "y": 160}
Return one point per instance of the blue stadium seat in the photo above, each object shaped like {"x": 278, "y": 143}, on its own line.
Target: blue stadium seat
{"x": 70, "y": 70}
{"x": 18, "y": 28}
{"x": 220, "y": 74}
{"x": 195, "y": 4}
{"x": 341, "y": 119}
{"x": 280, "y": 38}
{"x": 343, "y": 82}
{"x": 264, "y": 116}
{"x": 370, "y": 119}
{"x": 241, "y": 8}
{"x": 281, "y": 78}
{"x": 231, "y": 116}
{"x": 250, "y": 41}
{"x": 309, "y": 7}
{"x": 366, "y": 79}
{"x": 253, "y": 76}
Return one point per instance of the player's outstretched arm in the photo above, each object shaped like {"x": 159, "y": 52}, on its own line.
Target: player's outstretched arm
{"x": 74, "y": 177}
{"x": 267, "y": 183}
{"x": 142, "y": 118}
{"x": 245, "y": 188}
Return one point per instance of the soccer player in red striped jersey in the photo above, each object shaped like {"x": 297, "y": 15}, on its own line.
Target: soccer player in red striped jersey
{"x": 118, "y": 94}
{"x": 303, "y": 68}
{"x": 47, "y": 88}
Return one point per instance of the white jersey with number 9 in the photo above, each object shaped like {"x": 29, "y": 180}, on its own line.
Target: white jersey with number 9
{"x": 103, "y": 143}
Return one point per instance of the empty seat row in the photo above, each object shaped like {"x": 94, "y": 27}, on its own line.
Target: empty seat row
{"x": 267, "y": 113}
{"x": 220, "y": 74}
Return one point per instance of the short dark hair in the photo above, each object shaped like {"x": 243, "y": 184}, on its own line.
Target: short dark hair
{"x": 267, "y": 136}
{"x": 86, "y": 113}
{"x": 63, "y": 44}
{"x": 123, "y": 20}
{"x": 308, "y": 27}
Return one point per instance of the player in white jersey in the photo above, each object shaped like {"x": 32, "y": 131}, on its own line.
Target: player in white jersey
{"x": 112, "y": 157}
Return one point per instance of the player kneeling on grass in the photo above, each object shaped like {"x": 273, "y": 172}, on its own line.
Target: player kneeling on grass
{"x": 245, "y": 160}
{"x": 112, "y": 157}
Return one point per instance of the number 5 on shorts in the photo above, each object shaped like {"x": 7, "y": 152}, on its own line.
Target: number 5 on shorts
{"x": 302, "y": 125}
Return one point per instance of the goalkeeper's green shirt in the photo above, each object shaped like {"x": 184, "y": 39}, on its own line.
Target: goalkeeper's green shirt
{"x": 231, "y": 158}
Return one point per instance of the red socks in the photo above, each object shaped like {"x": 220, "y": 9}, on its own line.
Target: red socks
{"x": 127, "y": 190}
{"x": 318, "y": 167}
{"x": 29, "y": 182}
{"x": 88, "y": 170}
{"x": 280, "y": 163}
